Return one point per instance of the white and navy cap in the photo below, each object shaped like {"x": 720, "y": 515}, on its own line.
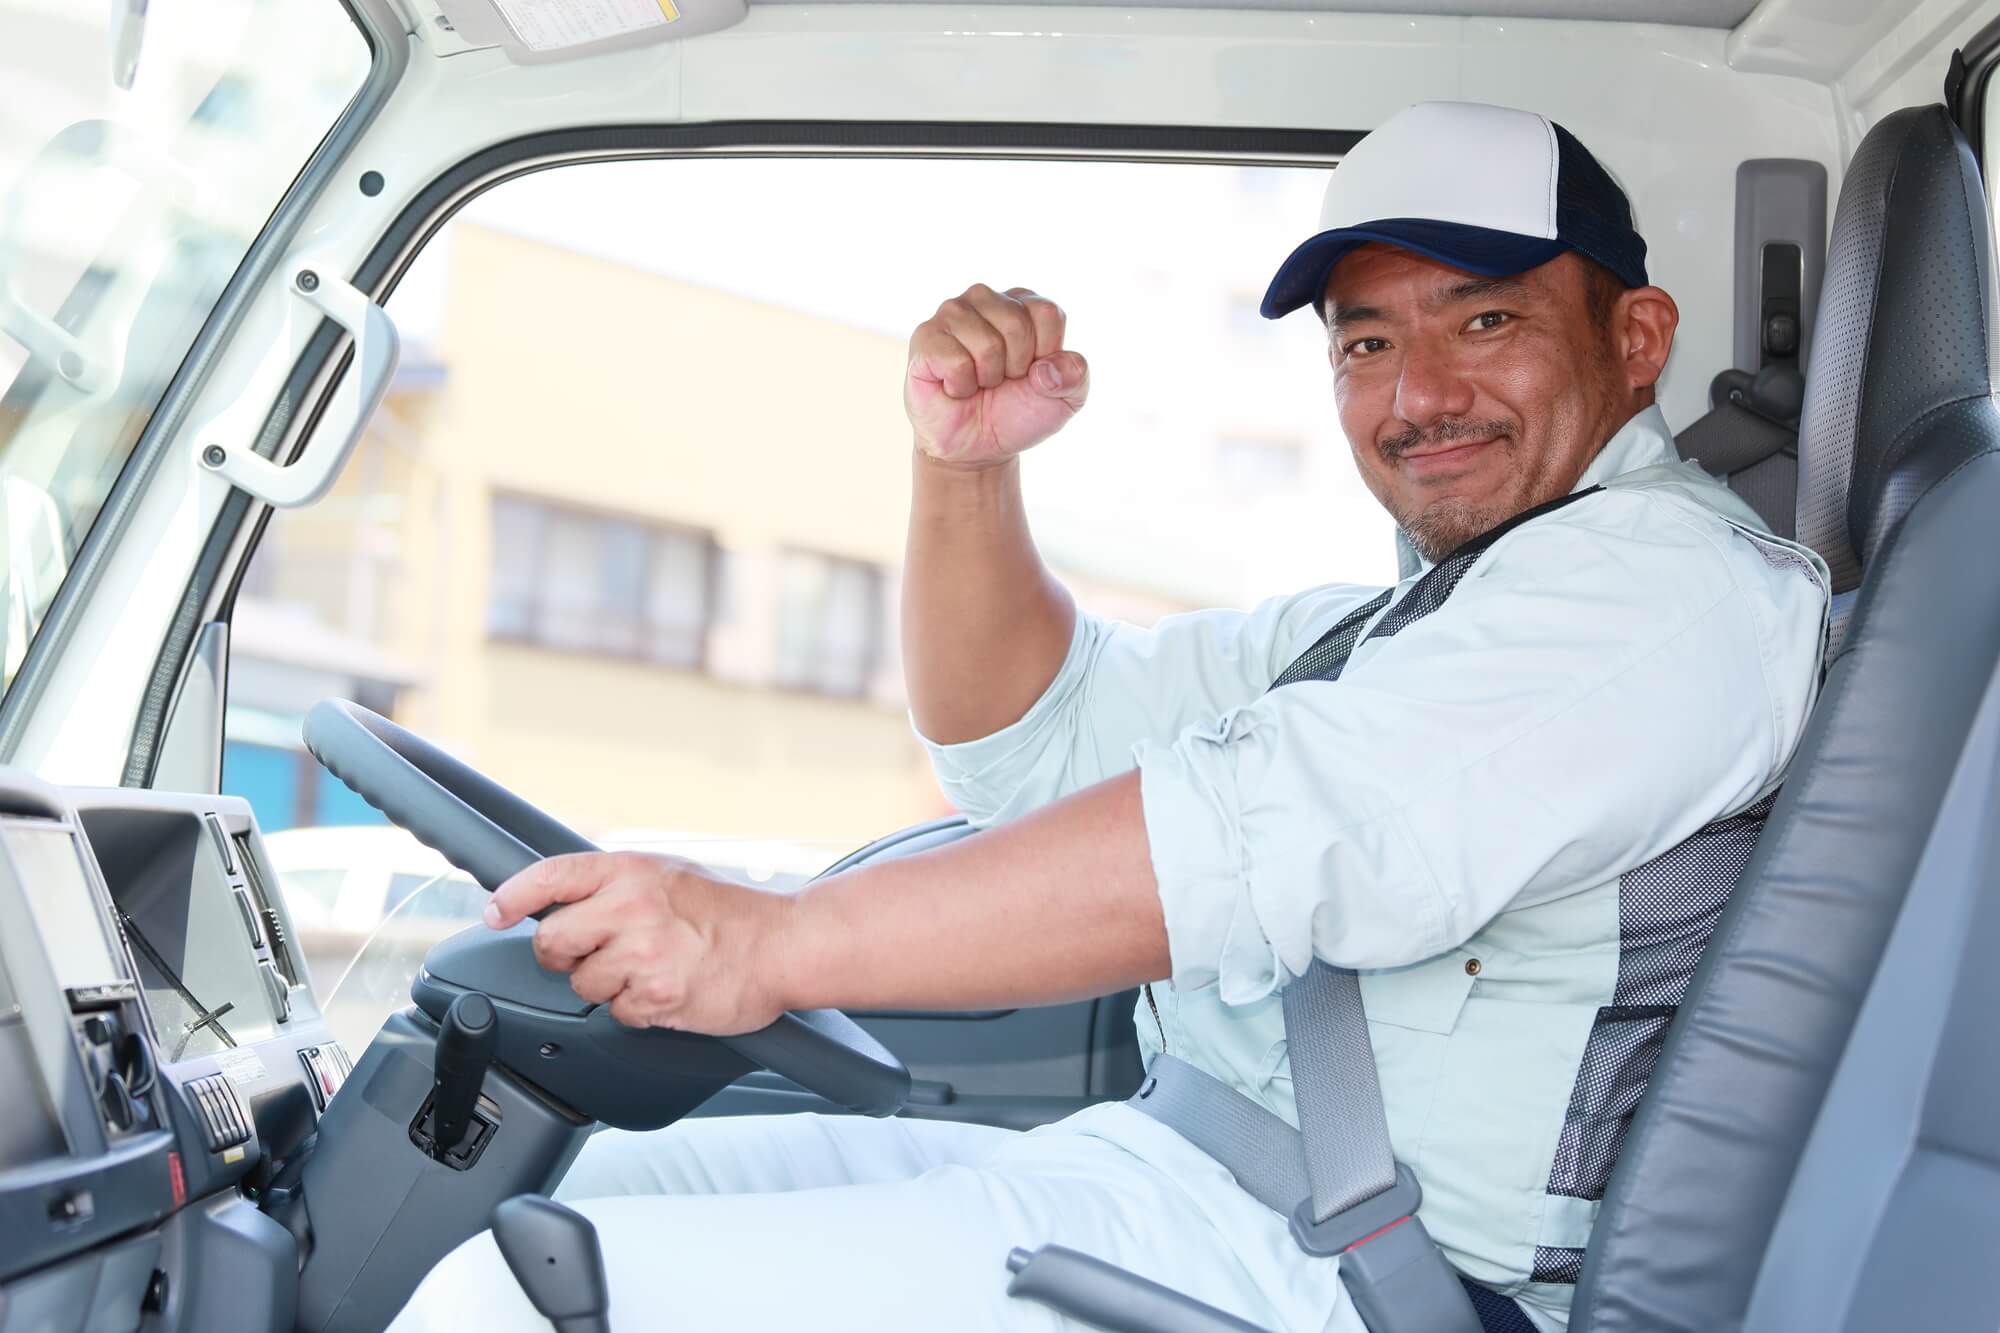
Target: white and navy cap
{"x": 1488, "y": 189}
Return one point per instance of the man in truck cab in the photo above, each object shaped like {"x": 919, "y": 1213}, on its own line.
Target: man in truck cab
{"x": 1513, "y": 791}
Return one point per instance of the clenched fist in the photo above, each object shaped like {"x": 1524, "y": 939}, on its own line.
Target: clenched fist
{"x": 989, "y": 377}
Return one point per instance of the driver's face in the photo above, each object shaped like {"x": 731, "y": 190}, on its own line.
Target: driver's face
{"x": 1469, "y": 399}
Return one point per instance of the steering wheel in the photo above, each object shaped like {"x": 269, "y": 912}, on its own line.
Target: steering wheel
{"x": 492, "y": 834}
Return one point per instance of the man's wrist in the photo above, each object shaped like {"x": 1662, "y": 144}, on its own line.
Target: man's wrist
{"x": 972, "y": 474}
{"x": 794, "y": 936}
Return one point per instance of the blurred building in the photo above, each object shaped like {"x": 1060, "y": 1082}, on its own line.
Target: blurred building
{"x": 630, "y": 546}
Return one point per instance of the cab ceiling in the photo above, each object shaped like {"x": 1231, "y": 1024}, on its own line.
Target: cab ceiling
{"x": 1684, "y": 13}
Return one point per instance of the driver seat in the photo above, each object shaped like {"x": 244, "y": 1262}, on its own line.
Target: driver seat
{"x": 1899, "y": 454}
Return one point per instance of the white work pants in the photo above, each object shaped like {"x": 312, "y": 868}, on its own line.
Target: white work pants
{"x": 843, "y": 1223}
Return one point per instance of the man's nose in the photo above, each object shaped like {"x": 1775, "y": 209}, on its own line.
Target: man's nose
{"x": 1430, "y": 388}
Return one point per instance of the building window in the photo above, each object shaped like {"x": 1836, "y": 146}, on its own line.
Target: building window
{"x": 831, "y": 623}
{"x": 1248, "y": 465}
{"x": 593, "y": 583}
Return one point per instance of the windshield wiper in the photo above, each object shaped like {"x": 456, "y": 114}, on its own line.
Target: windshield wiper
{"x": 204, "y": 1016}
{"x": 207, "y": 1020}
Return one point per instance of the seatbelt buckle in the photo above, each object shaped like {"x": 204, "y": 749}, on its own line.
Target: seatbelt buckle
{"x": 1394, "y": 1272}
{"x": 1359, "y": 1223}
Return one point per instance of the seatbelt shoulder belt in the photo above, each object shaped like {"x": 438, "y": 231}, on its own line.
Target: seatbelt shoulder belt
{"x": 1360, "y": 1202}
{"x": 1336, "y": 1176}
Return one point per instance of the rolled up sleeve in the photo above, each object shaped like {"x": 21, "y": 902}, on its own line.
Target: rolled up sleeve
{"x": 1596, "y": 690}
{"x": 1120, "y": 685}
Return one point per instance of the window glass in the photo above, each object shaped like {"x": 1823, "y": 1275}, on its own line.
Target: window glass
{"x": 571, "y": 591}
{"x": 677, "y": 598}
{"x": 123, "y": 212}
{"x": 829, "y": 623}
{"x": 443, "y": 897}
{"x": 596, "y": 583}
{"x": 313, "y": 894}
{"x": 517, "y": 542}
{"x": 678, "y": 631}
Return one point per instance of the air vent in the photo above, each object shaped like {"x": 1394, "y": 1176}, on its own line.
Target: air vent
{"x": 267, "y": 912}
{"x": 275, "y": 928}
{"x": 222, "y": 1117}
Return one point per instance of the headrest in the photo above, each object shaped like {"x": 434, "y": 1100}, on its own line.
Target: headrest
{"x": 1902, "y": 331}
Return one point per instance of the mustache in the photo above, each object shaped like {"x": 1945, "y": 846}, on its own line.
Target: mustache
{"x": 1442, "y": 432}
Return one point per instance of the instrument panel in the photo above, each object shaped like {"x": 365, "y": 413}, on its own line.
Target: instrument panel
{"x": 163, "y": 1063}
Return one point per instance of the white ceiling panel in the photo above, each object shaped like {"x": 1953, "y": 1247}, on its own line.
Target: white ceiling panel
{"x": 1685, "y": 13}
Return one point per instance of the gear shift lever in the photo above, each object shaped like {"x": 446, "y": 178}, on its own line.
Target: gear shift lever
{"x": 553, "y": 1252}
{"x": 465, "y": 1045}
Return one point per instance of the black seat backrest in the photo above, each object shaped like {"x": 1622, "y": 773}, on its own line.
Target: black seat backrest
{"x": 1893, "y": 1219}
{"x": 1900, "y": 475}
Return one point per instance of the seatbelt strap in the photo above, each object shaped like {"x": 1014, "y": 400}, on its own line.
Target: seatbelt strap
{"x": 1266, "y": 1155}
{"x": 1346, "y": 1133}
{"x": 1336, "y": 1175}
{"x": 1394, "y": 1273}
{"x": 1360, "y": 1203}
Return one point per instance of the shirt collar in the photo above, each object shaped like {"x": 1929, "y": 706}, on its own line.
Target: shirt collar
{"x": 1644, "y": 441}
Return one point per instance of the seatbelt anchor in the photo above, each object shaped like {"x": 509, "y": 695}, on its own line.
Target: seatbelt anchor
{"x": 1358, "y": 1223}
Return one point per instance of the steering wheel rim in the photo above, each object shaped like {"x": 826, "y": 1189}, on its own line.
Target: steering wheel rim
{"x": 492, "y": 835}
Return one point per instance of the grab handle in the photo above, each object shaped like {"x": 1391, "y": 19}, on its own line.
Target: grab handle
{"x": 377, "y": 347}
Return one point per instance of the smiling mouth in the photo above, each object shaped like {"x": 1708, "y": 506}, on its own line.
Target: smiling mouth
{"x": 1442, "y": 457}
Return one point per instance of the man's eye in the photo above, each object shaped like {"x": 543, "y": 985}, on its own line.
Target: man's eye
{"x": 1364, "y": 347}
{"x": 1487, "y": 320}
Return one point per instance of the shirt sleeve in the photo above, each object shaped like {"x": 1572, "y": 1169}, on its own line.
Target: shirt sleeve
{"x": 1600, "y": 685}
{"x": 1119, "y": 685}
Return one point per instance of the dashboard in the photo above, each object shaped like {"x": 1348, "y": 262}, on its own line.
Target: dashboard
{"x": 163, "y": 1065}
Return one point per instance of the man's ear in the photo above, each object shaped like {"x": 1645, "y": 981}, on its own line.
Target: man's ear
{"x": 1643, "y": 324}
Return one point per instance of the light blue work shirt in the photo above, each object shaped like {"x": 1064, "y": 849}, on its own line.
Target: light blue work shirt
{"x": 1453, "y": 816}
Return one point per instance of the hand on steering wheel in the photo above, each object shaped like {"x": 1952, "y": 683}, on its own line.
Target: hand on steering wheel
{"x": 495, "y": 836}
{"x": 657, "y": 938}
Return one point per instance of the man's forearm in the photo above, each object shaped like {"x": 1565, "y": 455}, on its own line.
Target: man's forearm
{"x": 985, "y": 625}
{"x": 1059, "y": 905}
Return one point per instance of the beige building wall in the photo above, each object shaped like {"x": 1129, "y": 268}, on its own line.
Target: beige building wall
{"x": 576, "y": 381}
{"x": 585, "y": 382}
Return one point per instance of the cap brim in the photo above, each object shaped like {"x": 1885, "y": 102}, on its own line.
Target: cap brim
{"x": 1491, "y": 254}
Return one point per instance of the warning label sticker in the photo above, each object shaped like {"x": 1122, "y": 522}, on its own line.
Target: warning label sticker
{"x": 241, "y": 1065}
{"x": 551, "y": 25}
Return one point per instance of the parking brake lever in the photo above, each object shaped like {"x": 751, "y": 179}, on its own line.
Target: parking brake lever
{"x": 465, "y": 1045}
{"x": 553, "y": 1252}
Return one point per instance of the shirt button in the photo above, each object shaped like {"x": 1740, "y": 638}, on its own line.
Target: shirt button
{"x": 1472, "y": 967}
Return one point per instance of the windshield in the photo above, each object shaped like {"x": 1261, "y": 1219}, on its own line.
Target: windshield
{"x": 140, "y": 155}
{"x": 365, "y": 935}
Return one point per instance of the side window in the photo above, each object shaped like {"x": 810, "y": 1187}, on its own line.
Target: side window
{"x": 130, "y": 192}
{"x": 627, "y": 532}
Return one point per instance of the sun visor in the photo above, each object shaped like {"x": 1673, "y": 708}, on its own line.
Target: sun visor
{"x": 538, "y": 31}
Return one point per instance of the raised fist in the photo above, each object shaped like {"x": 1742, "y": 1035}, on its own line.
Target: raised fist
{"x": 989, "y": 377}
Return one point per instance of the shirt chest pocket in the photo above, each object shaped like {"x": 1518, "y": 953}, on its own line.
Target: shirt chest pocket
{"x": 1412, "y": 1012}
{"x": 1424, "y": 997}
